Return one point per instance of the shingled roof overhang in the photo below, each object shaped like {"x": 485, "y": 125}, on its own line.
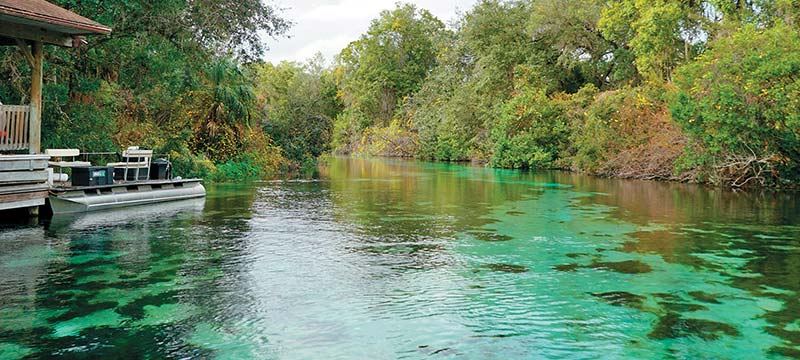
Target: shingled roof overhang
{"x": 39, "y": 20}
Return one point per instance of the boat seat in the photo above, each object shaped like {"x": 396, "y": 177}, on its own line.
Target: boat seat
{"x": 136, "y": 159}
{"x": 129, "y": 165}
{"x": 69, "y": 163}
{"x": 59, "y": 154}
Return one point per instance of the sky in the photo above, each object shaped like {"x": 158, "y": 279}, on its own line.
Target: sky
{"x": 327, "y": 26}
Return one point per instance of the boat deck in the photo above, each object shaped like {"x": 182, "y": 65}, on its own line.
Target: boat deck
{"x": 63, "y": 188}
{"x": 72, "y": 199}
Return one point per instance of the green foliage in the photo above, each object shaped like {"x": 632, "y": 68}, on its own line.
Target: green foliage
{"x": 236, "y": 171}
{"x": 299, "y": 103}
{"x": 392, "y": 140}
{"x": 531, "y": 131}
{"x": 741, "y": 102}
{"x": 523, "y": 151}
{"x": 169, "y": 78}
{"x": 661, "y": 34}
{"x": 217, "y": 26}
{"x": 347, "y": 129}
{"x": 461, "y": 98}
{"x": 389, "y": 62}
{"x": 572, "y": 51}
{"x": 221, "y": 109}
{"x": 612, "y": 122}
{"x": 192, "y": 166}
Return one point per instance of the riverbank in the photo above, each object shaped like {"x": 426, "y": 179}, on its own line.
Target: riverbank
{"x": 661, "y": 174}
{"x": 517, "y": 85}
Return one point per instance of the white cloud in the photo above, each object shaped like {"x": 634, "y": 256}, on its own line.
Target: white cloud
{"x": 330, "y": 46}
{"x": 347, "y": 10}
{"x": 327, "y": 26}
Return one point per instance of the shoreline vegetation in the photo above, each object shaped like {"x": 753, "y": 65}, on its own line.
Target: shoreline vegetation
{"x": 701, "y": 91}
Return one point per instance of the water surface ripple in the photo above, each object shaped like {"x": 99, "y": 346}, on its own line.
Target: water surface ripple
{"x": 390, "y": 259}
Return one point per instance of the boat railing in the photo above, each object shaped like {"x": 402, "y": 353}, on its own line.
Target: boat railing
{"x": 99, "y": 158}
{"x": 116, "y": 155}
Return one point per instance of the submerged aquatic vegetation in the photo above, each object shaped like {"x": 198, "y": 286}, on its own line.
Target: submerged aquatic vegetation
{"x": 624, "y": 267}
{"x": 673, "y": 326}
{"x": 506, "y": 268}
{"x": 621, "y": 298}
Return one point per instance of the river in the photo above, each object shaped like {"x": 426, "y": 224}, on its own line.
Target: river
{"x": 385, "y": 259}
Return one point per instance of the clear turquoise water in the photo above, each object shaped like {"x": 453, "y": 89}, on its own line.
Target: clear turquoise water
{"x": 384, "y": 259}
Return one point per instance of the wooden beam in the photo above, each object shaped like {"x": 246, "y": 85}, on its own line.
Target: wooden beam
{"x": 36, "y": 98}
{"x": 23, "y": 188}
{"x": 22, "y": 164}
{"x": 23, "y": 48}
{"x": 6, "y": 198}
{"x": 37, "y": 201}
{"x": 14, "y": 201}
{"x": 34, "y": 33}
{"x": 23, "y": 177}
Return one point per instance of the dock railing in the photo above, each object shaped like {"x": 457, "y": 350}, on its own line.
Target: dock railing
{"x": 15, "y": 131}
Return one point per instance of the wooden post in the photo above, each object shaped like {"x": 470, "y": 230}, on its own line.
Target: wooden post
{"x": 36, "y": 98}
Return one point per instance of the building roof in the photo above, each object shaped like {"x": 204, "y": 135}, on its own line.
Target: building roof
{"x": 48, "y": 16}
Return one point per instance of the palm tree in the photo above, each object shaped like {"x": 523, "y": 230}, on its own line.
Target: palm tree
{"x": 228, "y": 100}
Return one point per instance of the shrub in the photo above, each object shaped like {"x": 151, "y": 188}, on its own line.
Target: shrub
{"x": 740, "y": 103}
{"x": 347, "y": 129}
{"x": 628, "y": 133}
{"x": 522, "y": 152}
{"x": 393, "y": 140}
{"x": 188, "y": 165}
{"x": 531, "y": 131}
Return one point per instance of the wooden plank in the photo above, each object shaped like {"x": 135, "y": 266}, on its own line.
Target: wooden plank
{"x": 34, "y": 33}
{"x": 3, "y": 126}
{"x": 12, "y": 131}
{"x": 19, "y": 128}
{"x": 24, "y": 157}
{"x": 17, "y": 177}
{"x": 62, "y": 152}
{"x": 23, "y": 47}
{"x": 26, "y": 132}
{"x": 6, "y": 130}
{"x": 22, "y": 204}
{"x": 12, "y": 134}
{"x": 7, "y": 198}
{"x": 35, "y": 127}
{"x": 23, "y": 188}
{"x": 23, "y": 164}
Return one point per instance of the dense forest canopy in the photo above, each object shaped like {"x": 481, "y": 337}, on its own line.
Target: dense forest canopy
{"x": 685, "y": 90}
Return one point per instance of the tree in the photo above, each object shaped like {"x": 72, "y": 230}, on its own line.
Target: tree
{"x": 661, "y": 34}
{"x": 390, "y": 61}
{"x": 224, "y": 27}
{"x": 225, "y": 104}
{"x": 299, "y": 104}
{"x": 740, "y": 101}
{"x": 531, "y": 129}
{"x": 458, "y": 103}
{"x": 572, "y": 49}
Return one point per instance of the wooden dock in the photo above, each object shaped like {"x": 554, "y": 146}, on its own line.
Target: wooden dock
{"x": 29, "y": 25}
{"x": 23, "y": 178}
{"x": 23, "y": 181}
